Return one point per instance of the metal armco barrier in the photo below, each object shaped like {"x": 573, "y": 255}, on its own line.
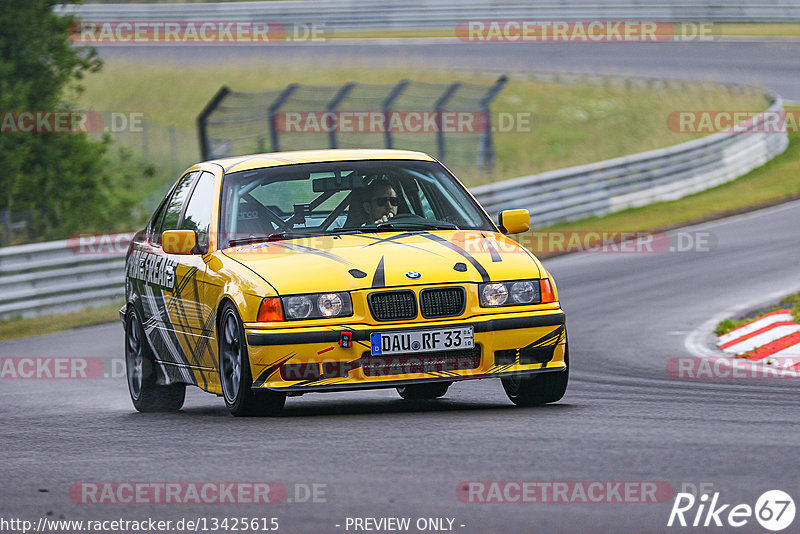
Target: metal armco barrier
{"x": 59, "y": 276}
{"x": 347, "y": 14}
{"x": 636, "y": 180}
{"x": 53, "y": 277}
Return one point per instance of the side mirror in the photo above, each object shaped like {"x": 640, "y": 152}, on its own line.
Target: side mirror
{"x": 514, "y": 221}
{"x": 179, "y": 241}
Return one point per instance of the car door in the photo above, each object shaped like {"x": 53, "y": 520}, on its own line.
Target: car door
{"x": 164, "y": 297}
{"x": 191, "y": 317}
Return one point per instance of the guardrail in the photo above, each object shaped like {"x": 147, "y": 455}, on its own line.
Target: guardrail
{"x": 50, "y": 277}
{"x": 346, "y": 14}
{"x": 636, "y": 180}
{"x": 45, "y": 278}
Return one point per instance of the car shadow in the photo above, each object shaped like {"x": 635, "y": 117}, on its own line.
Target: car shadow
{"x": 333, "y": 408}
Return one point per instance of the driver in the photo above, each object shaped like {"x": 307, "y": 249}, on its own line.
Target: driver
{"x": 380, "y": 202}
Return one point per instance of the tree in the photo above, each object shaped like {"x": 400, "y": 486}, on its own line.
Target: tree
{"x": 61, "y": 183}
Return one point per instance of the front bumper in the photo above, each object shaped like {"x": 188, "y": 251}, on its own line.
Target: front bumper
{"x": 311, "y": 359}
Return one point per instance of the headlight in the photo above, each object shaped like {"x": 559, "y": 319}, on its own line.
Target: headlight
{"x": 330, "y": 304}
{"x": 317, "y": 306}
{"x": 513, "y": 293}
{"x": 525, "y": 292}
{"x": 298, "y": 307}
{"x": 494, "y": 294}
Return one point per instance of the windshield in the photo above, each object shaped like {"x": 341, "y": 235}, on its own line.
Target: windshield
{"x": 352, "y": 196}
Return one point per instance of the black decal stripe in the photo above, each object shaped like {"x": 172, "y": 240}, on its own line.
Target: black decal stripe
{"x": 492, "y": 249}
{"x": 315, "y": 251}
{"x": 379, "y": 278}
{"x": 395, "y": 240}
{"x": 163, "y": 336}
{"x": 265, "y": 374}
{"x": 183, "y": 319}
{"x": 332, "y": 336}
{"x": 475, "y": 263}
{"x": 550, "y": 339}
{"x": 204, "y": 345}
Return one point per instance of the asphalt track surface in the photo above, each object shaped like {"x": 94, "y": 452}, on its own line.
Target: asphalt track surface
{"x": 624, "y": 418}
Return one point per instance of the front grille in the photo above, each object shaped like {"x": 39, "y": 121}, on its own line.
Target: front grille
{"x": 393, "y": 305}
{"x": 433, "y": 362}
{"x": 442, "y": 302}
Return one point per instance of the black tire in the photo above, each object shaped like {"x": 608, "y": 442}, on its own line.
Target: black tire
{"x": 424, "y": 391}
{"x": 538, "y": 389}
{"x": 234, "y": 371}
{"x": 147, "y": 395}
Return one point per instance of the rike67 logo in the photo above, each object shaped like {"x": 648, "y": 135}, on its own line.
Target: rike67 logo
{"x": 774, "y": 510}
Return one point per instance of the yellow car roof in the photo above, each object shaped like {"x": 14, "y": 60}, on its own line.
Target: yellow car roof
{"x": 273, "y": 159}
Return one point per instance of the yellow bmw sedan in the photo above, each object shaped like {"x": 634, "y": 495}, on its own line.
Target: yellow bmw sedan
{"x": 275, "y": 275}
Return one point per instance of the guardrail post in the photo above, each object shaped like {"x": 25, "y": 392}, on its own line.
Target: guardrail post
{"x": 332, "y": 105}
{"x": 273, "y": 110}
{"x": 386, "y": 107}
{"x": 486, "y": 146}
{"x": 438, "y": 108}
{"x": 201, "y": 120}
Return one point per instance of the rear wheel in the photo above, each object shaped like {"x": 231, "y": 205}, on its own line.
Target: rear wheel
{"x": 543, "y": 388}
{"x": 234, "y": 371}
{"x": 424, "y": 391}
{"x": 147, "y": 395}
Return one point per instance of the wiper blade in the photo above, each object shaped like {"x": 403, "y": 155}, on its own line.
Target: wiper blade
{"x": 275, "y": 236}
{"x": 417, "y": 226}
{"x": 280, "y": 236}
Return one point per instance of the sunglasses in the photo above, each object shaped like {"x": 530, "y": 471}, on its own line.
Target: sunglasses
{"x": 381, "y": 201}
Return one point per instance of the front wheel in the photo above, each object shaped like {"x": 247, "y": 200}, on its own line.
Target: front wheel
{"x": 424, "y": 391}
{"x": 538, "y": 389}
{"x": 234, "y": 371}
{"x": 147, "y": 395}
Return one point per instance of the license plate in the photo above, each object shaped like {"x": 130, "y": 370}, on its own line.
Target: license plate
{"x": 414, "y": 341}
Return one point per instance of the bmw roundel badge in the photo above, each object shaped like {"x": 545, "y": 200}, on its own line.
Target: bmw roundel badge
{"x": 413, "y": 275}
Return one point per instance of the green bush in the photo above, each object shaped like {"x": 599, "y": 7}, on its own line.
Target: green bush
{"x": 57, "y": 183}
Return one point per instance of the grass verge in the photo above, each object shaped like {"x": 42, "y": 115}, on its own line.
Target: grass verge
{"x": 776, "y": 181}
{"x": 567, "y": 123}
{"x": 36, "y": 326}
{"x": 790, "y": 301}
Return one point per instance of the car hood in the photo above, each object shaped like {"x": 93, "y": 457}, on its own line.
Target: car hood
{"x": 387, "y": 259}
